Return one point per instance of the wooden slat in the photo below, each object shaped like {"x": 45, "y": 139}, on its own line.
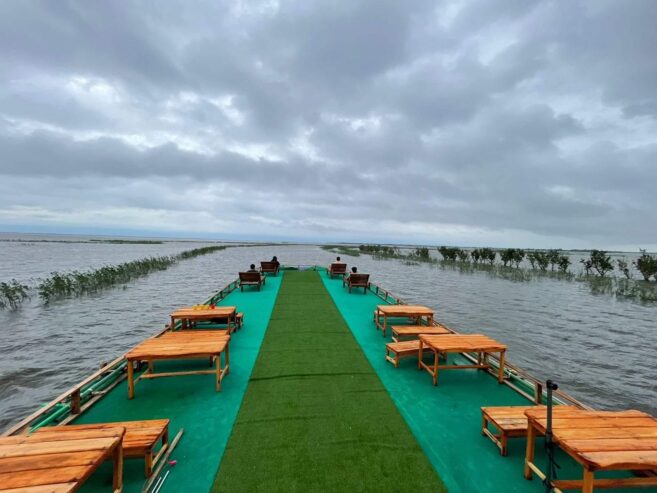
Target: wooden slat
{"x": 50, "y": 488}
{"x": 404, "y": 310}
{"x": 635, "y": 460}
{"x": 411, "y": 330}
{"x": 40, "y": 477}
{"x": 47, "y": 461}
{"x": 83, "y": 445}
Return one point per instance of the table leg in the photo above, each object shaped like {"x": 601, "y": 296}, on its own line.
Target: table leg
{"x": 230, "y": 324}
{"x": 218, "y": 382}
{"x": 151, "y": 366}
{"x": 500, "y": 377}
{"x": 131, "y": 380}
{"x": 587, "y": 485}
{"x": 227, "y": 360}
{"x": 173, "y": 324}
{"x": 436, "y": 360}
{"x": 385, "y": 324}
{"x": 419, "y": 356}
{"x": 117, "y": 482}
{"x": 529, "y": 456}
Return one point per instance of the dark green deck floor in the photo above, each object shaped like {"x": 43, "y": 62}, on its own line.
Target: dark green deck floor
{"x": 315, "y": 416}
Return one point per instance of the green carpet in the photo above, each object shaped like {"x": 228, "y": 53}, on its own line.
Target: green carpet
{"x": 315, "y": 416}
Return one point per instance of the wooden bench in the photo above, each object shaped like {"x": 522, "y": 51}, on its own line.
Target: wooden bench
{"x": 140, "y": 439}
{"x": 357, "y": 281}
{"x": 414, "y": 331}
{"x": 251, "y": 279}
{"x": 400, "y": 350}
{"x": 413, "y": 312}
{"x": 509, "y": 422}
{"x": 269, "y": 267}
{"x": 337, "y": 269}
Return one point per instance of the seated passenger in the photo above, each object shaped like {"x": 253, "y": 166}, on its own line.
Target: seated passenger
{"x": 252, "y": 268}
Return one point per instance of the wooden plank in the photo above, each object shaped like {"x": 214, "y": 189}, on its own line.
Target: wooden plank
{"x": 636, "y": 460}
{"x": 83, "y": 445}
{"x": 40, "y": 477}
{"x": 47, "y": 461}
{"x": 51, "y": 488}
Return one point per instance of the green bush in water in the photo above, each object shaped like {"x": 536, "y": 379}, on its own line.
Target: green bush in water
{"x": 12, "y": 294}
{"x": 647, "y": 265}
{"x": 599, "y": 262}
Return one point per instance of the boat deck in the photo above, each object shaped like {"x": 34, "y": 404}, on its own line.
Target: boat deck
{"x": 322, "y": 409}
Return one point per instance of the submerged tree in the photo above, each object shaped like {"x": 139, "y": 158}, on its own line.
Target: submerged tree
{"x": 599, "y": 262}
{"x": 12, "y": 294}
{"x": 647, "y": 265}
{"x": 623, "y": 267}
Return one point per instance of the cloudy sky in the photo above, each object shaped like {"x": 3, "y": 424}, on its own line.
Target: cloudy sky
{"x": 503, "y": 123}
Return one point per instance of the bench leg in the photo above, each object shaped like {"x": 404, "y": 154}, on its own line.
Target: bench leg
{"x": 529, "y": 456}
{"x": 503, "y": 444}
{"x": 131, "y": 380}
{"x": 436, "y": 360}
{"x": 117, "y": 482}
{"x": 587, "y": 486}
{"x": 148, "y": 463}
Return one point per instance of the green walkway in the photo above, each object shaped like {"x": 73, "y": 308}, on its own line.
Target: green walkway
{"x": 315, "y": 416}
{"x": 190, "y": 402}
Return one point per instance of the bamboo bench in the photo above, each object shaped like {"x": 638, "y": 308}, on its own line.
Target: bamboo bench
{"x": 251, "y": 279}
{"x": 140, "y": 439}
{"x": 357, "y": 281}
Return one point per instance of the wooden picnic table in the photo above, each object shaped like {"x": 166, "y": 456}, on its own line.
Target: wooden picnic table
{"x": 188, "y": 314}
{"x": 58, "y": 463}
{"x": 416, "y": 312}
{"x": 414, "y": 331}
{"x": 599, "y": 441}
{"x": 460, "y": 343}
{"x": 184, "y": 344}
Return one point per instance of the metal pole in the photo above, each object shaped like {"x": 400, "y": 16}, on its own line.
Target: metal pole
{"x": 549, "y": 445}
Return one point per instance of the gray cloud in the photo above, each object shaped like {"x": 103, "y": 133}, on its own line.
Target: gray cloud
{"x": 469, "y": 122}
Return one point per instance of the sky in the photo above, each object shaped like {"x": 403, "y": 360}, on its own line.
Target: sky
{"x": 476, "y": 123}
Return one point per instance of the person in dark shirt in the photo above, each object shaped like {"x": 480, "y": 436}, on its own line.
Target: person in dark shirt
{"x": 354, "y": 270}
{"x": 252, "y": 268}
{"x": 275, "y": 260}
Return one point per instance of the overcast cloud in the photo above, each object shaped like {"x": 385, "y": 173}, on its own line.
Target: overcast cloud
{"x": 504, "y": 123}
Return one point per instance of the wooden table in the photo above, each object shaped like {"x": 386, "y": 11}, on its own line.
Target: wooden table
{"x": 414, "y": 331}
{"x": 599, "y": 441}
{"x": 416, "y": 312}
{"x": 183, "y": 344}
{"x": 58, "y": 463}
{"x": 188, "y": 314}
{"x": 460, "y": 343}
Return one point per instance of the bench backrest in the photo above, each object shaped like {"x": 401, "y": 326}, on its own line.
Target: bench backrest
{"x": 268, "y": 266}
{"x": 339, "y": 268}
{"x": 250, "y": 276}
{"x": 359, "y": 279}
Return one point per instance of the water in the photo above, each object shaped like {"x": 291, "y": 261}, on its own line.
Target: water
{"x": 597, "y": 348}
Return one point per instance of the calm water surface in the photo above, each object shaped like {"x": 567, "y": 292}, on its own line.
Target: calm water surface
{"x": 599, "y": 349}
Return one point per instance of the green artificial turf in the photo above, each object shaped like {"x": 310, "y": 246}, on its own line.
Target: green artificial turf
{"x": 315, "y": 416}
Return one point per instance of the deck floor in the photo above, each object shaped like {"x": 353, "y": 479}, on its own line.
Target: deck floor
{"x": 315, "y": 416}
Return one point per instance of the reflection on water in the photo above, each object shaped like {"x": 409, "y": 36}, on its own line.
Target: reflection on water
{"x": 597, "y": 347}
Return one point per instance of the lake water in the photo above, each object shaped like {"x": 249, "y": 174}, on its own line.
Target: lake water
{"x": 596, "y": 347}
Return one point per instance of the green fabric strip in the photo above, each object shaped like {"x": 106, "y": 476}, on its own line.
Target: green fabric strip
{"x": 315, "y": 416}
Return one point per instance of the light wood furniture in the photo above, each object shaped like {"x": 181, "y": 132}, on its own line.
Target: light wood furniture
{"x": 414, "y": 312}
{"x": 60, "y": 462}
{"x": 460, "y": 343}
{"x": 599, "y": 441}
{"x": 357, "y": 281}
{"x": 509, "y": 422}
{"x": 183, "y": 344}
{"x": 188, "y": 315}
{"x": 269, "y": 267}
{"x": 140, "y": 439}
{"x": 400, "y": 332}
{"x": 397, "y": 350}
{"x": 251, "y": 279}
{"x": 337, "y": 269}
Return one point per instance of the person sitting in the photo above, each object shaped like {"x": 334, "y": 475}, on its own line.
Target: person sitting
{"x": 337, "y": 259}
{"x": 252, "y": 268}
{"x": 274, "y": 259}
{"x": 354, "y": 270}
